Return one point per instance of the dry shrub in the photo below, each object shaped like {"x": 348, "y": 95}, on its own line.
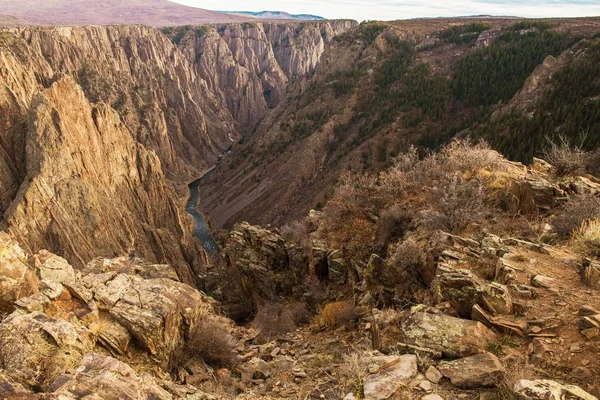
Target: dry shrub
{"x": 336, "y": 314}
{"x": 456, "y": 203}
{"x": 567, "y": 158}
{"x": 274, "y": 320}
{"x": 392, "y": 224}
{"x": 466, "y": 156}
{"x": 586, "y": 239}
{"x": 296, "y": 232}
{"x": 571, "y": 215}
{"x": 348, "y": 219}
{"x": 407, "y": 255}
{"x": 210, "y": 341}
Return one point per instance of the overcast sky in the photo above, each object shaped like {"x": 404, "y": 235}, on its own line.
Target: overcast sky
{"x": 402, "y": 9}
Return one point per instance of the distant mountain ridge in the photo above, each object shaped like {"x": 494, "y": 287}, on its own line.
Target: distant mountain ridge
{"x": 275, "y": 15}
{"x": 108, "y": 12}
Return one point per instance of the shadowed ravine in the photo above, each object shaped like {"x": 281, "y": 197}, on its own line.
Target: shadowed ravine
{"x": 201, "y": 230}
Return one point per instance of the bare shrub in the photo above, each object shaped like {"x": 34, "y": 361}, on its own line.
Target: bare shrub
{"x": 392, "y": 224}
{"x": 274, "y": 320}
{"x": 567, "y": 158}
{"x": 457, "y": 204}
{"x": 296, "y": 232}
{"x": 586, "y": 239}
{"x": 336, "y": 314}
{"x": 571, "y": 215}
{"x": 464, "y": 155}
{"x": 407, "y": 255}
{"x": 210, "y": 341}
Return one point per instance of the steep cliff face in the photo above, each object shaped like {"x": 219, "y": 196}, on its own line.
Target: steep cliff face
{"x": 83, "y": 171}
{"x": 90, "y": 189}
{"x": 248, "y": 66}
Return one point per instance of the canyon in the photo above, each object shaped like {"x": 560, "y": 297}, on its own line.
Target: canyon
{"x": 267, "y": 209}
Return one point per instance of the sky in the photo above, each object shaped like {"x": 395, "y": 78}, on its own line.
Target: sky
{"x": 403, "y": 9}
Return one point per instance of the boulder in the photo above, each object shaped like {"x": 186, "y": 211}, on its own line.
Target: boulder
{"x": 481, "y": 370}
{"x": 453, "y": 337}
{"x": 463, "y": 290}
{"x": 106, "y": 378}
{"x": 35, "y": 349}
{"x": 337, "y": 267}
{"x": 16, "y": 278}
{"x": 391, "y": 372}
{"x": 158, "y": 313}
{"x": 54, "y": 268}
{"x": 544, "y": 389}
{"x": 534, "y": 195}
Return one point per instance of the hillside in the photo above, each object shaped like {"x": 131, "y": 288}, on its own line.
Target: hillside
{"x": 108, "y": 12}
{"x": 384, "y": 86}
{"x": 273, "y": 15}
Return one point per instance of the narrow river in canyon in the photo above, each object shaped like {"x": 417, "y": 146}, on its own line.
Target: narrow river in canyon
{"x": 201, "y": 229}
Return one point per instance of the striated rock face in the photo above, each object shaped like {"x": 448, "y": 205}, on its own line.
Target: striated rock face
{"x": 248, "y": 66}
{"x": 90, "y": 189}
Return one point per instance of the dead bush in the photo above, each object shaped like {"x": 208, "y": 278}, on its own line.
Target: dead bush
{"x": 407, "y": 255}
{"x": 571, "y": 215}
{"x": 274, "y": 320}
{"x": 567, "y": 158}
{"x": 456, "y": 204}
{"x": 296, "y": 232}
{"x": 210, "y": 341}
{"x": 393, "y": 223}
{"x": 335, "y": 315}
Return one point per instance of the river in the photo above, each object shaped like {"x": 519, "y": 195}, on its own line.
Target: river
{"x": 201, "y": 230}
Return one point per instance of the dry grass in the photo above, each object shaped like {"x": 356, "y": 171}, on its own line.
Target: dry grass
{"x": 336, "y": 314}
{"x": 354, "y": 373}
{"x": 586, "y": 239}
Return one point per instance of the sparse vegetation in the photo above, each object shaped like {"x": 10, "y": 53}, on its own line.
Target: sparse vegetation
{"x": 275, "y": 319}
{"x": 464, "y": 34}
{"x": 586, "y": 239}
{"x": 573, "y": 213}
{"x": 335, "y": 315}
{"x": 567, "y": 158}
{"x": 209, "y": 341}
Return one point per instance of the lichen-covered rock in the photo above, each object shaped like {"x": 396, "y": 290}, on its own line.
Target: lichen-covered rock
{"x": 35, "y": 349}
{"x": 453, "y": 337}
{"x": 545, "y": 389}
{"x": 130, "y": 266}
{"x": 158, "y": 313}
{"x": 464, "y": 290}
{"x": 481, "y": 370}
{"x": 106, "y": 378}
{"x": 16, "y": 278}
{"x": 534, "y": 195}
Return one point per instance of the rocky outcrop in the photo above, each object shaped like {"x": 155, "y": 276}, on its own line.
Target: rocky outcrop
{"x": 257, "y": 266}
{"x": 91, "y": 190}
{"x": 35, "y": 348}
{"x": 452, "y": 337}
{"x": 17, "y": 279}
